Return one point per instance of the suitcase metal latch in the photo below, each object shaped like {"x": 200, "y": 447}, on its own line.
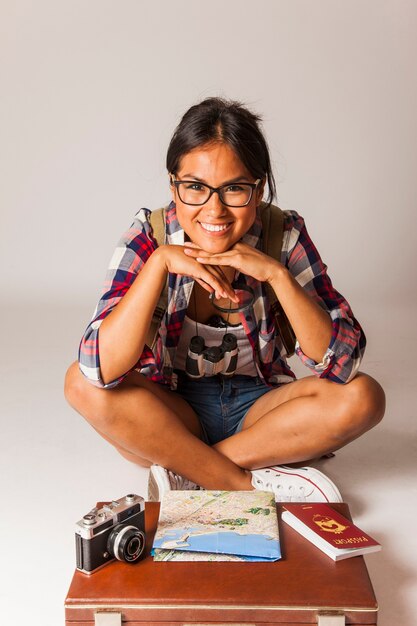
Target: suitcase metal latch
{"x": 107, "y": 618}
{"x": 331, "y": 619}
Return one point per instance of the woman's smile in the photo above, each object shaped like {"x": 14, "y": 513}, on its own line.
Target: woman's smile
{"x": 216, "y": 229}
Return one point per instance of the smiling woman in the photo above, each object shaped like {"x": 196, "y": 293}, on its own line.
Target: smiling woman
{"x": 215, "y": 404}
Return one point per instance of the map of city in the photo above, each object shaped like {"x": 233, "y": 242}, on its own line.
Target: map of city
{"x": 217, "y": 526}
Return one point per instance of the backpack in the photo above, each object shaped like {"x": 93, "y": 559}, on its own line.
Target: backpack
{"x": 273, "y": 233}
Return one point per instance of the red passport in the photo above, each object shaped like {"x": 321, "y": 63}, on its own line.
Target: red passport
{"x": 330, "y": 531}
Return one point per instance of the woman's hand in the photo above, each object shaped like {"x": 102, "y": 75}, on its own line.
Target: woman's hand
{"x": 211, "y": 277}
{"x": 241, "y": 257}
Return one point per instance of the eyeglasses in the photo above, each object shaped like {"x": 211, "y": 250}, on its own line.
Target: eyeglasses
{"x": 232, "y": 194}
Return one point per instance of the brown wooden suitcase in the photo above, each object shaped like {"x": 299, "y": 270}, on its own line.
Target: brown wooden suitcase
{"x": 305, "y": 587}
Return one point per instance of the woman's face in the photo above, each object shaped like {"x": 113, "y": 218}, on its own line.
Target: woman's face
{"x": 215, "y": 164}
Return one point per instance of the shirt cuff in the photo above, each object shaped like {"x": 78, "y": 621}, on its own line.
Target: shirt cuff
{"x": 93, "y": 375}
{"x": 319, "y": 368}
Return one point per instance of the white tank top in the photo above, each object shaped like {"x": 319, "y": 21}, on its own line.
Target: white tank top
{"x": 213, "y": 337}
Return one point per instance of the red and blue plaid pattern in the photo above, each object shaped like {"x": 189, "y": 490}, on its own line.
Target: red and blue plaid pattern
{"x": 340, "y": 362}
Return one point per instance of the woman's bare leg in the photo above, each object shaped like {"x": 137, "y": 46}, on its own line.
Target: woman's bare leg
{"x": 304, "y": 420}
{"x": 153, "y": 425}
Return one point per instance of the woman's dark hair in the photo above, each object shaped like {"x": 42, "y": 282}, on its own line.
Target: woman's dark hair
{"x": 226, "y": 121}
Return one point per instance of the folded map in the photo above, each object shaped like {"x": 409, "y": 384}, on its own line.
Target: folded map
{"x": 217, "y": 525}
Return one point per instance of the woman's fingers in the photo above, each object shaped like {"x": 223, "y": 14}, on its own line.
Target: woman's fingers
{"x": 213, "y": 277}
{"x": 210, "y": 282}
{"x": 205, "y": 257}
{"x": 206, "y": 260}
{"x": 216, "y": 278}
{"x": 205, "y": 285}
{"x": 241, "y": 257}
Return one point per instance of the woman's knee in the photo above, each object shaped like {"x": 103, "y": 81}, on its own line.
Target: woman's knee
{"x": 72, "y": 385}
{"x": 361, "y": 405}
{"x": 91, "y": 402}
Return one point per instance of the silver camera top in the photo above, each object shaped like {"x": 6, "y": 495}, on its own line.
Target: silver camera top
{"x": 99, "y": 520}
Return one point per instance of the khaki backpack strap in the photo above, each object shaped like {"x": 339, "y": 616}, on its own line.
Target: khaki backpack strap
{"x": 272, "y": 239}
{"x": 157, "y": 221}
{"x": 272, "y": 230}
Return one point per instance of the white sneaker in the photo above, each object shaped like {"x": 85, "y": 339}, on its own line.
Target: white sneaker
{"x": 162, "y": 480}
{"x": 301, "y": 484}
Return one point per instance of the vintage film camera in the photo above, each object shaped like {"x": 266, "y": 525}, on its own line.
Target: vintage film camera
{"x": 203, "y": 361}
{"x": 116, "y": 531}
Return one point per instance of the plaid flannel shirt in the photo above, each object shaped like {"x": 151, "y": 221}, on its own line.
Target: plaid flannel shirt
{"x": 339, "y": 364}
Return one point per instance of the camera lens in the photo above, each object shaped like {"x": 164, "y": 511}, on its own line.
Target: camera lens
{"x": 126, "y": 543}
{"x": 133, "y": 546}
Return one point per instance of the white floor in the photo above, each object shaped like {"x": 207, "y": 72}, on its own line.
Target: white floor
{"x": 55, "y": 467}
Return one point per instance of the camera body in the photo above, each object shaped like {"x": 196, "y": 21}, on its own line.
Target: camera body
{"x": 116, "y": 531}
{"x": 203, "y": 361}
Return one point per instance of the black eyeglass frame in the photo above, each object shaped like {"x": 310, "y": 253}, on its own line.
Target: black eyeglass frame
{"x": 217, "y": 190}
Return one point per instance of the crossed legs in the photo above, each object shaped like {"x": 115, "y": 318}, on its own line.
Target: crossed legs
{"x": 302, "y": 420}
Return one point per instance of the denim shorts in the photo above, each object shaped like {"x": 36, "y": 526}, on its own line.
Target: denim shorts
{"x": 220, "y": 403}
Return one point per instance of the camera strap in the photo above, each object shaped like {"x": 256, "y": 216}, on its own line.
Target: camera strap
{"x": 237, "y": 309}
